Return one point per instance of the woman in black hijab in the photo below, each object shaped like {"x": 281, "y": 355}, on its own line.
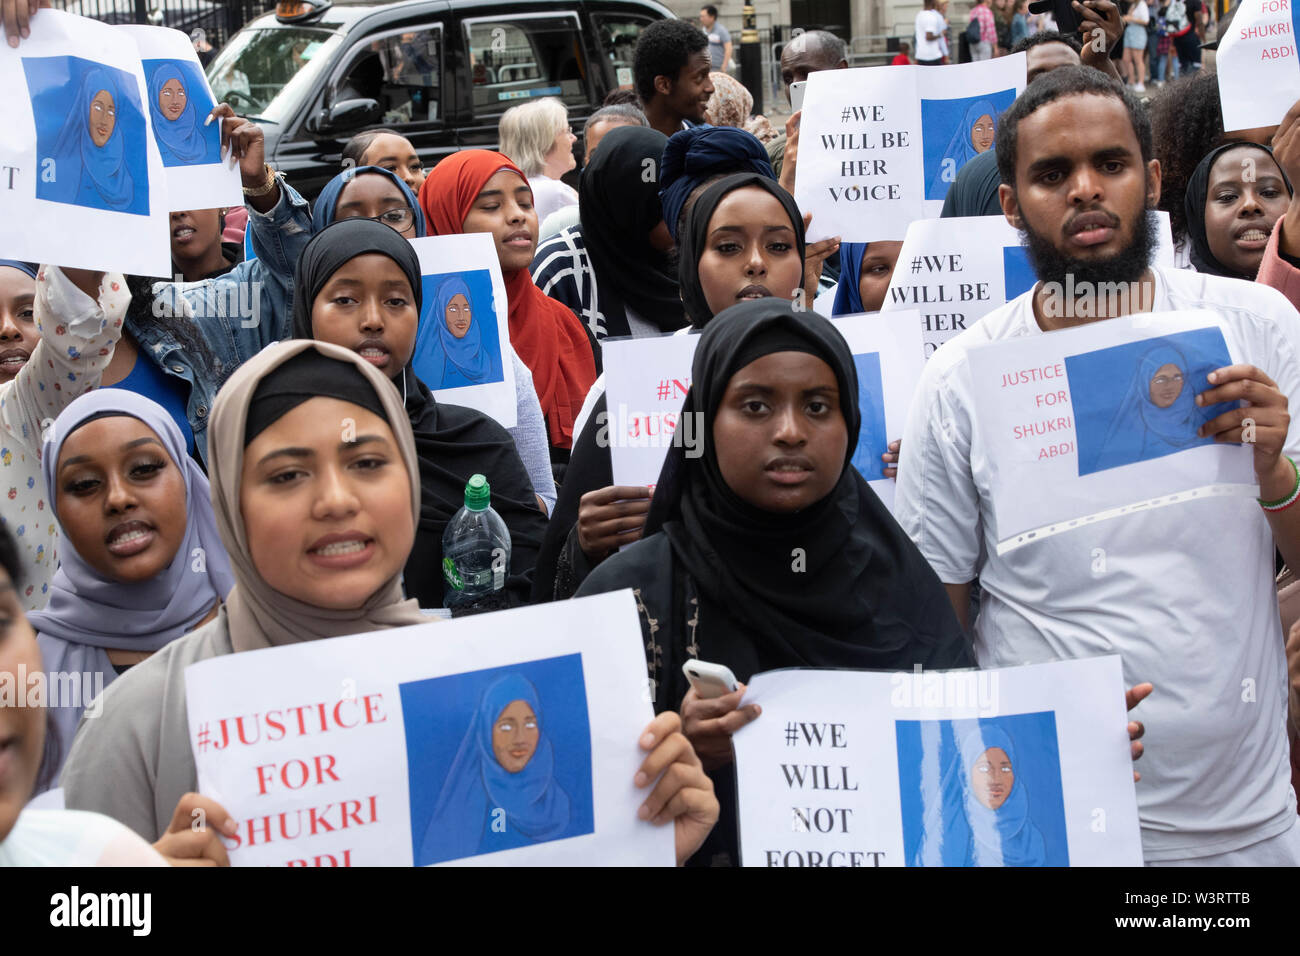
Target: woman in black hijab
{"x": 563, "y": 563}
{"x": 453, "y": 443}
{"x": 766, "y": 548}
{"x": 1234, "y": 199}
{"x": 615, "y": 270}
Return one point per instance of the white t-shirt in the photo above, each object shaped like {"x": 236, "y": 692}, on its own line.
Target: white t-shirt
{"x": 1140, "y": 12}
{"x": 928, "y": 21}
{"x": 74, "y": 838}
{"x": 1186, "y": 597}
{"x": 551, "y": 195}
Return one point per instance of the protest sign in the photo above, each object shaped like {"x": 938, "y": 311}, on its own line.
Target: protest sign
{"x": 956, "y": 271}
{"x": 179, "y": 103}
{"x": 503, "y": 739}
{"x": 1100, "y": 422}
{"x": 462, "y": 350}
{"x": 1257, "y": 66}
{"x": 647, "y": 379}
{"x": 878, "y": 149}
{"x": 1019, "y": 766}
{"x": 81, "y": 180}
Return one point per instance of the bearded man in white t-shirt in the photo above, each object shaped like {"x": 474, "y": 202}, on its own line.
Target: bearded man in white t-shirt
{"x": 1184, "y": 593}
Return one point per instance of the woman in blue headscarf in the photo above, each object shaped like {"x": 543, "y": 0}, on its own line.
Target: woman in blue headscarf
{"x": 456, "y": 350}
{"x": 865, "y": 271}
{"x": 982, "y": 818}
{"x": 1158, "y": 415}
{"x": 181, "y": 138}
{"x": 974, "y": 135}
{"x": 90, "y": 161}
{"x": 505, "y": 762}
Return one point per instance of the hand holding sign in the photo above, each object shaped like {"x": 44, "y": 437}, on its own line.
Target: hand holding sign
{"x": 16, "y": 15}
{"x": 191, "y": 838}
{"x": 244, "y": 142}
{"x": 1262, "y": 422}
{"x": 611, "y": 517}
{"x": 684, "y": 793}
{"x": 1286, "y": 151}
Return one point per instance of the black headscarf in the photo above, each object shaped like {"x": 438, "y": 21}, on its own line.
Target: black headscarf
{"x": 838, "y": 584}
{"x": 306, "y": 376}
{"x": 453, "y": 443}
{"x": 692, "y": 242}
{"x": 619, "y": 204}
{"x": 1198, "y": 191}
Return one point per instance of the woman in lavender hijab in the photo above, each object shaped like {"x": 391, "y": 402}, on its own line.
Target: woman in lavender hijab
{"x": 142, "y": 564}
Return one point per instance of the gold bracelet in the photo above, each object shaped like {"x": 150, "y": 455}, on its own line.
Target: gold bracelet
{"x": 272, "y": 177}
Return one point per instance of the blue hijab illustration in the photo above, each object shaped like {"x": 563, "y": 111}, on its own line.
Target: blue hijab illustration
{"x": 1158, "y": 414}
{"x": 461, "y": 358}
{"x": 176, "y": 127}
{"x": 983, "y": 818}
{"x": 90, "y": 152}
{"x": 535, "y": 807}
{"x": 974, "y": 135}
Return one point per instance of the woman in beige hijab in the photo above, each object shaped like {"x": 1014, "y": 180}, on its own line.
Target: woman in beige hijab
{"x": 315, "y": 486}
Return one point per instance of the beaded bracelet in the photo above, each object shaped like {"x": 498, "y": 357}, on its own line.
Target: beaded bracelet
{"x": 1283, "y": 503}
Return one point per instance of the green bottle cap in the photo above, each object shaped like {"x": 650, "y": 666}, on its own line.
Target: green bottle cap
{"x": 478, "y": 493}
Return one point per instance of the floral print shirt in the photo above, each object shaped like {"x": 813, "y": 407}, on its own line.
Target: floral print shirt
{"x": 77, "y": 337}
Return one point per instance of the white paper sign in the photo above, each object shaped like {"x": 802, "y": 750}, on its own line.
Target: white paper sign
{"x": 647, "y": 379}
{"x": 179, "y": 101}
{"x": 879, "y": 148}
{"x": 1259, "y": 72}
{"x": 462, "y": 350}
{"x": 1022, "y": 766}
{"x": 81, "y": 181}
{"x": 1100, "y": 422}
{"x": 505, "y": 739}
{"x": 956, "y": 271}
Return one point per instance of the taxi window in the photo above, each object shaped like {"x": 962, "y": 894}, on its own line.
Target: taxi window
{"x": 403, "y": 71}
{"x": 618, "y": 33}
{"x": 521, "y": 58}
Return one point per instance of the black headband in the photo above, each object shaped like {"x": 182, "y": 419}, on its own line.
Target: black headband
{"x": 306, "y": 376}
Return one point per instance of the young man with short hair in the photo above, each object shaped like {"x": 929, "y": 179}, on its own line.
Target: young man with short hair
{"x": 1185, "y": 594}
{"x": 719, "y": 40}
{"x": 670, "y": 67}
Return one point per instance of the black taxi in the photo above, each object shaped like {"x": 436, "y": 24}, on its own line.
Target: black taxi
{"x": 441, "y": 72}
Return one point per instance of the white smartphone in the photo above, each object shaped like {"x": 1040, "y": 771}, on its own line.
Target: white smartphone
{"x": 710, "y": 680}
{"x": 796, "y": 95}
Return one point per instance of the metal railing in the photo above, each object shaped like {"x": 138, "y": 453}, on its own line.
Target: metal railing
{"x": 219, "y": 19}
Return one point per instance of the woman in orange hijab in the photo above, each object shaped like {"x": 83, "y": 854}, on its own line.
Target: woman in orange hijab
{"x": 476, "y": 190}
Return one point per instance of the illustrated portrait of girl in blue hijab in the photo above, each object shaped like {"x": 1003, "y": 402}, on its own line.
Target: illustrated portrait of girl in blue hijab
{"x": 1157, "y": 414}
{"x": 457, "y": 344}
{"x": 984, "y": 815}
{"x": 178, "y": 105}
{"x": 501, "y": 791}
{"x": 89, "y": 135}
{"x": 962, "y": 133}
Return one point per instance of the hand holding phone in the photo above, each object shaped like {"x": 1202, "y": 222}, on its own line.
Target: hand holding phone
{"x": 710, "y": 680}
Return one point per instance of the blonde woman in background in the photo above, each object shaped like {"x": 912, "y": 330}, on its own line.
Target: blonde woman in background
{"x": 536, "y": 137}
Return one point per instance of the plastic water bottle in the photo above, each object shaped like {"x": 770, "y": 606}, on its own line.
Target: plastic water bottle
{"x": 475, "y": 548}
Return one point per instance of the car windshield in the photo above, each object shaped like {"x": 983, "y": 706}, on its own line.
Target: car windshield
{"x": 263, "y": 73}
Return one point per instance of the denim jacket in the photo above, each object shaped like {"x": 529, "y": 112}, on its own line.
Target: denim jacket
{"x": 237, "y": 314}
